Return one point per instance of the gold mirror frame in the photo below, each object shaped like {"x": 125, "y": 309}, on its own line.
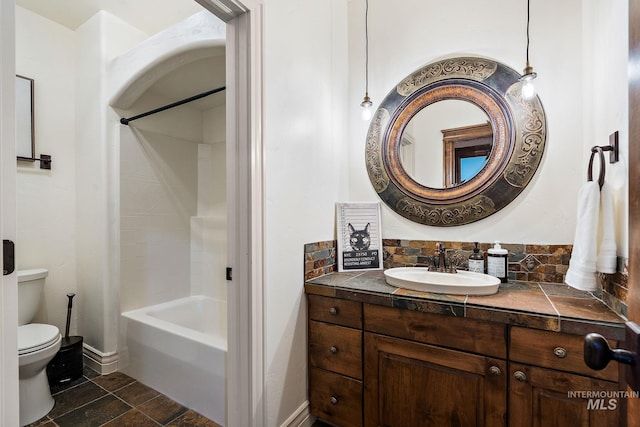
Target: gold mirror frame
{"x": 519, "y": 136}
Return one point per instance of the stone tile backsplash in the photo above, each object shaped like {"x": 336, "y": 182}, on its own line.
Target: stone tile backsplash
{"x": 528, "y": 263}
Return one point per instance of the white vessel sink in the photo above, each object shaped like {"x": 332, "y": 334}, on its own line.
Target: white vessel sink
{"x": 461, "y": 283}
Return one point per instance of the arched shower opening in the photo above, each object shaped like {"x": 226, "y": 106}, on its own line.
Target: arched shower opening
{"x": 172, "y": 222}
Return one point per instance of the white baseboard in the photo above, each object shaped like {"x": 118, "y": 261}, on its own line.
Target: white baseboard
{"x": 301, "y": 417}
{"x": 103, "y": 363}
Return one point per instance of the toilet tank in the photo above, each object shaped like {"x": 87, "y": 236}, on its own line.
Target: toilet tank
{"x": 30, "y": 289}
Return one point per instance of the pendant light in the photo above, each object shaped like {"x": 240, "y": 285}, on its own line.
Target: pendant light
{"x": 366, "y": 104}
{"x": 528, "y": 75}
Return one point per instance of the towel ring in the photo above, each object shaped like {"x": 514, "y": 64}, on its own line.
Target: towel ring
{"x": 594, "y": 150}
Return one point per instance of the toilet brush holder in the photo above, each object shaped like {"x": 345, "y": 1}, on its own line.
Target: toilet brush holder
{"x": 67, "y": 365}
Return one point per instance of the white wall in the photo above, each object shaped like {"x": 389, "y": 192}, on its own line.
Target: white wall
{"x": 98, "y": 41}
{"x": 605, "y": 31}
{"x": 305, "y": 139}
{"x": 46, "y": 198}
{"x": 563, "y": 51}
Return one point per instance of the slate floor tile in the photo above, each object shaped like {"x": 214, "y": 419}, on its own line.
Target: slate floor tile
{"x": 74, "y": 397}
{"x": 162, "y": 409}
{"x": 94, "y": 414}
{"x": 136, "y": 393}
{"x": 131, "y": 418}
{"x": 192, "y": 419}
{"x": 114, "y": 381}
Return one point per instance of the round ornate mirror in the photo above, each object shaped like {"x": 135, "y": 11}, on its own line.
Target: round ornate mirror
{"x": 455, "y": 142}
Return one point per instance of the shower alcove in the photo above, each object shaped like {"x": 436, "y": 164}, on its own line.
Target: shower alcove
{"x": 172, "y": 214}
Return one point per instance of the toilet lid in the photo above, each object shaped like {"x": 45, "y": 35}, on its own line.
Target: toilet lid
{"x": 36, "y": 336}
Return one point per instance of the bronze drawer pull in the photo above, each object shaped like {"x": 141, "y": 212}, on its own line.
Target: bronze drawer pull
{"x": 333, "y": 350}
{"x": 333, "y": 311}
{"x": 560, "y": 352}
{"x": 495, "y": 371}
{"x": 333, "y": 400}
{"x": 520, "y": 376}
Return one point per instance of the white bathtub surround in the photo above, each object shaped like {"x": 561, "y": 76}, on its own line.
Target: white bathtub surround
{"x": 209, "y": 227}
{"x": 179, "y": 348}
{"x": 209, "y": 256}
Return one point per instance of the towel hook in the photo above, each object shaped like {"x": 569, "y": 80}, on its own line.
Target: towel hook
{"x": 594, "y": 150}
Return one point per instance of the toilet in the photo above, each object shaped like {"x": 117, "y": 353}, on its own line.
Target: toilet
{"x": 37, "y": 345}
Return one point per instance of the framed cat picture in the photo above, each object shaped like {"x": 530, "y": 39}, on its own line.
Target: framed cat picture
{"x": 359, "y": 236}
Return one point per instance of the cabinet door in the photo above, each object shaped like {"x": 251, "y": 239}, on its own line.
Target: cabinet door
{"x": 544, "y": 397}
{"x": 413, "y": 384}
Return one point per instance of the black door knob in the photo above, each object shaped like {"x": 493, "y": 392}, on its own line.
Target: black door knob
{"x": 597, "y": 353}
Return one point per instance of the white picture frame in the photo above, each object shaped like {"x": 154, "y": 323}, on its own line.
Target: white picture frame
{"x": 359, "y": 237}
{"x": 25, "y": 141}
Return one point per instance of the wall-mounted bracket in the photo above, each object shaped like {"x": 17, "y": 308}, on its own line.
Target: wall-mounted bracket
{"x": 8, "y": 257}
{"x": 45, "y": 160}
{"x": 614, "y": 151}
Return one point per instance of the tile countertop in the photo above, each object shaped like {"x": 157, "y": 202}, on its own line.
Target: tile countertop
{"x": 546, "y": 306}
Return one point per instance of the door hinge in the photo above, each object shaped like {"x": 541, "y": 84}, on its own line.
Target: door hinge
{"x": 229, "y": 271}
{"x": 8, "y": 257}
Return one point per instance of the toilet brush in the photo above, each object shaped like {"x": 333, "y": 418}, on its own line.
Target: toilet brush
{"x": 67, "y": 365}
{"x": 69, "y": 307}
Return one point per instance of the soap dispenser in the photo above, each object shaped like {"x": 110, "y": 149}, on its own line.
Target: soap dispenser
{"x": 497, "y": 261}
{"x": 476, "y": 260}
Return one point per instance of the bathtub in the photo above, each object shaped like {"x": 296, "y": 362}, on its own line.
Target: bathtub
{"x": 179, "y": 348}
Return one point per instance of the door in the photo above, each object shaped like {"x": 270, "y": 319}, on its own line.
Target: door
{"x": 633, "y": 413}
{"x": 8, "y": 285}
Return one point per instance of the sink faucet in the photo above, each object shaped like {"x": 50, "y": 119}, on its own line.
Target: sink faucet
{"x": 441, "y": 250}
{"x": 441, "y": 261}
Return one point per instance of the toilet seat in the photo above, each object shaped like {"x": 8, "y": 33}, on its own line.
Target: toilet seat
{"x": 36, "y": 336}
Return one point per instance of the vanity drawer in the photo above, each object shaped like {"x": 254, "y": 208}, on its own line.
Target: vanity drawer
{"x": 335, "y": 348}
{"x": 334, "y": 310}
{"x": 476, "y": 336}
{"x": 335, "y": 398}
{"x": 555, "y": 350}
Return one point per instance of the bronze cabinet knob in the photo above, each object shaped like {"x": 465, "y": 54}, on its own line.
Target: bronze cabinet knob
{"x": 520, "y": 376}
{"x": 560, "y": 352}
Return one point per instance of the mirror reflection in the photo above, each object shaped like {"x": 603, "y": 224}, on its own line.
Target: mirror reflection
{"x": 446, "y": 143}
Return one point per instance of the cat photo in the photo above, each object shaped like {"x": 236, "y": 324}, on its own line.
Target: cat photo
{"x": 359, "y": 239}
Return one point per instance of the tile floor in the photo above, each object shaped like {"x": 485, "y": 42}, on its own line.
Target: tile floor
{"x": 116, "y": 400}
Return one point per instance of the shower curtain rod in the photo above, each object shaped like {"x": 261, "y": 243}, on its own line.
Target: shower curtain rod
{"x": 125, "y": 121}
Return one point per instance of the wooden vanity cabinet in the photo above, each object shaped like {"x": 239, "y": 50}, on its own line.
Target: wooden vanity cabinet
{"x": 416, "y": 381}
{"x": 373, "y": 365}
{"x": 335, "y": 360}
{"x": 552, "y": 367}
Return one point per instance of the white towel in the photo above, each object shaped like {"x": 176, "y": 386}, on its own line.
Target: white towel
{"x": 607, "y": 262}
{"x": 582, "y": 266}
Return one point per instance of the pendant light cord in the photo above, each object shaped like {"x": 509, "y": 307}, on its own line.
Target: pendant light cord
{"x": 528, "y": 13}
{"x": 366, "y": 47}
